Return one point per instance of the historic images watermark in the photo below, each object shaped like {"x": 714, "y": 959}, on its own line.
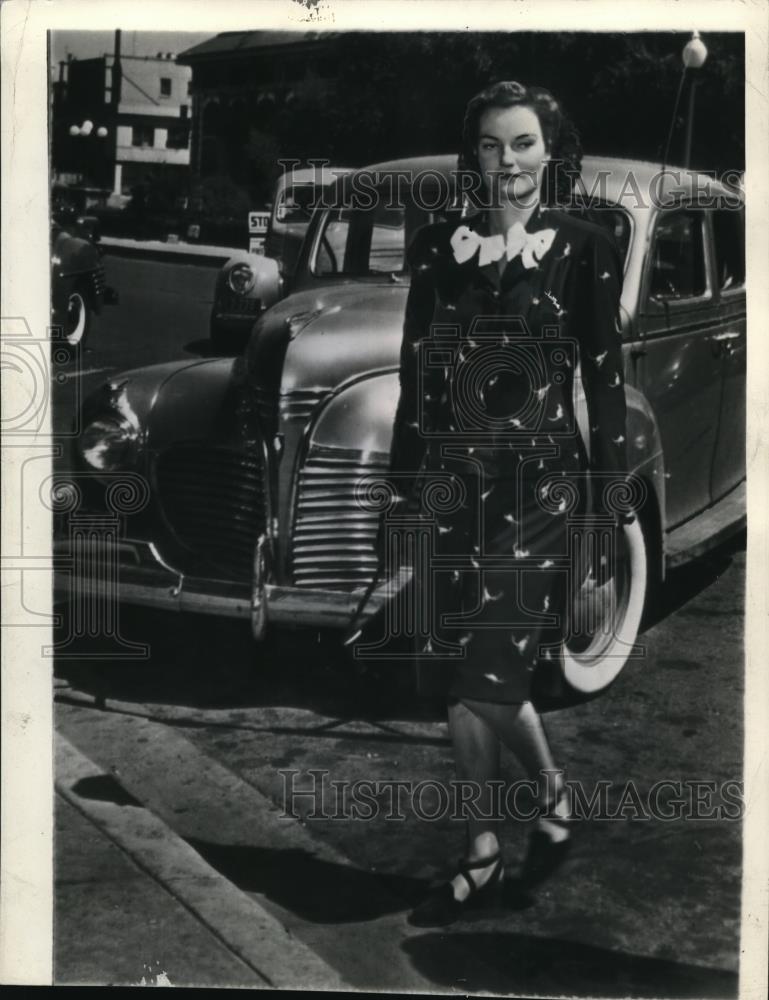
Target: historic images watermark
{"x": 88, "y": 530}
{"x": 431, "y": 190}
{"x": 314, "y": 794}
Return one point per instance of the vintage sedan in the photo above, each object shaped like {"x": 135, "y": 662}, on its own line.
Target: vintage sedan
{"x": 256, "y": 469}
{"x": 78, "y": 285}
{"x": 249, "y": 283}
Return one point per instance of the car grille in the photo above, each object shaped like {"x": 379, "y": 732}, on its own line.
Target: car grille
{"x": 99, "y": 282}
{"x": 333, "y": 537}
{"x": 299, "y": 404}
{"x": 212, "y": 497}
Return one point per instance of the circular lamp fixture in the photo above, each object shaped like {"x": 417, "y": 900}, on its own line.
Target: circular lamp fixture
{"x": 695, "y": 52}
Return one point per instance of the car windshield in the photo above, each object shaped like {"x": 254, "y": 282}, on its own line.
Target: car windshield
{"x": 297, "y": 202}
{"x": 366, "y": 242}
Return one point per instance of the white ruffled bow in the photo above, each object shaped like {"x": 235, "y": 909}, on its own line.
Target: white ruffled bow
{"x": 532, "y": 247}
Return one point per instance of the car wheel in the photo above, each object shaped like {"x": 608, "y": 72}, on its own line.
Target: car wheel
{"x": 605, "y": 619}
{"x": 77, "y": 321}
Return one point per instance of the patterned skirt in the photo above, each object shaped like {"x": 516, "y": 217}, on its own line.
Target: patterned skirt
{"x": 494, "y": 591}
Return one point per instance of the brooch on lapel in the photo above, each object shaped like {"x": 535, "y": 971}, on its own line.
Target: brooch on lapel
{"x": 532, "y": 247}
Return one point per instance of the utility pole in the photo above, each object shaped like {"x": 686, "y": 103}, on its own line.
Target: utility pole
{"x": 117, "y": 86}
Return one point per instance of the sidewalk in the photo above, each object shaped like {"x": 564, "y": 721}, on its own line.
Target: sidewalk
{"x": 192, "y": 253}
{"x": 136, "y": 905}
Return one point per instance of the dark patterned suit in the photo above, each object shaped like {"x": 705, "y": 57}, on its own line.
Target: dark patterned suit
{"x": 486, "y": 410}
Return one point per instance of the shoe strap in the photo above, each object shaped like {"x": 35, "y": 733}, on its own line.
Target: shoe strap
{"x": 466, "y": 866}
{"x": 551, "y": 817}
{"x": 479, "y": 863}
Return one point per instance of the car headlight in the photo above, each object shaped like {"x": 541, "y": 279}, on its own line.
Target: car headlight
{"x": 241, "y": 279}
{"x": 106, "y": 442}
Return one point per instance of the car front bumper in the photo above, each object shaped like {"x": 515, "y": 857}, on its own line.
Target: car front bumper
{"x": 133, "y": 572}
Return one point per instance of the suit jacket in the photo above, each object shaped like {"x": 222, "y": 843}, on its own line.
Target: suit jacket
{"x": 556, "y": 304}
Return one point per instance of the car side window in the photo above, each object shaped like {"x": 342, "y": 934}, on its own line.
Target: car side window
{"x": 613, "y": 218}
{"x": 729, "y": 239}
{"x": 387, "y": 240}
{"x": 332, "y": 245}
{"x": 678, "y": 256}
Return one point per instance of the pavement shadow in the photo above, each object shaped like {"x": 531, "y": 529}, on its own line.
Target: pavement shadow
{"x": 211, "y": 663}
{"x": 522, "y": 965}
{"x": 104, "y": 788}
{"x": 683, "y": 583}
{"x": 205, "y": 662}
{"x": 318, "y": 891}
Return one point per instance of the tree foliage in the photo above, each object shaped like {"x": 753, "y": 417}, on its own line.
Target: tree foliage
{"x": 403, "y": 94}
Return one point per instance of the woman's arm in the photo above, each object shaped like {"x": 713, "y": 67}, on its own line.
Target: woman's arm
{"x": 598, "y": 329}
{"x": 408, "y": 443}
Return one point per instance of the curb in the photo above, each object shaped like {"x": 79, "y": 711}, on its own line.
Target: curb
{"x": 246, "y": 929}
{"x": 184, "y": 253}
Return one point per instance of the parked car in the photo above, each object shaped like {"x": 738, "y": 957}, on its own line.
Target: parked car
{"x": 78, "y": 284}
{"x": 255, "y": 464}
{"x": 249, "y": 283}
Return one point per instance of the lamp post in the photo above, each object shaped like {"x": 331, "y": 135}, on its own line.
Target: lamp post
{"x": 694, "y": 55}
{"x": 94, "y": 146}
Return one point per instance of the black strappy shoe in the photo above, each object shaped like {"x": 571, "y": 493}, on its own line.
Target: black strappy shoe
{"x": 545, "y": 855}
{"x": 440, "y": 907}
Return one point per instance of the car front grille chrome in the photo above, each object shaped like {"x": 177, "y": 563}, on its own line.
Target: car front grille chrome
{"x": 99, "y": 282}
{"x": 212, "y": 498}
{"x": 334, "y": 533}
{"x": 273, "y": 408}
{"x": 260, "y": 574}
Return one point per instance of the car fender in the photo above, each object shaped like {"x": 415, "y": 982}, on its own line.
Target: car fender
{"x": 139, "y": 392}
{"x": 360, "y": 417}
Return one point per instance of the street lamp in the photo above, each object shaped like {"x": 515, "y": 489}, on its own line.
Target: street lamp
{"x": 89, "y": 149}
{"x": 694, "y": 55}
{"x": 87, "y": 128}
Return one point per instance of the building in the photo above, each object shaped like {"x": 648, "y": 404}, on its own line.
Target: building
{"x": 242, "y": 81}
{"x": 118, "y": 120}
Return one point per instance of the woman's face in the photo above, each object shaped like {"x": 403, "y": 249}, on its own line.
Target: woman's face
{"x": 512, "y": 154}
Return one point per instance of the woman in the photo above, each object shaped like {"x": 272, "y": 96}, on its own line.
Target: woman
{"x": 530, "y": 291}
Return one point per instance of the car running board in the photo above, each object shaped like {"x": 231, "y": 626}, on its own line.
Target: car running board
{"x": 708, "y": 529}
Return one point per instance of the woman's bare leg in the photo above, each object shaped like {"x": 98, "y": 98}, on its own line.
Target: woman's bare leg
{"x": 520, "y": 728}
{"x": 476, "y": 757}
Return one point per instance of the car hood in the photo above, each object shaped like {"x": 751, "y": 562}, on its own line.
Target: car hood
{"x": 319, "y": 339}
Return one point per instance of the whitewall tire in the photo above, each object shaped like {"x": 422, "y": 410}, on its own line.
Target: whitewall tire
{"x": 78, "y": 317}
{"x": 605, "y": 620}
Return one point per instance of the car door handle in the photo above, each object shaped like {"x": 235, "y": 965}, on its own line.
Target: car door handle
{"x": 724, "y": 341}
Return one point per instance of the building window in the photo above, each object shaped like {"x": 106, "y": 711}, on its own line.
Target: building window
{"x": 142, "y": 135}
{"x": 189, "y": 87}
{"x": 183, "y": 110}
{"x": 178, "y": 137}
{"x": 165, "y": 86}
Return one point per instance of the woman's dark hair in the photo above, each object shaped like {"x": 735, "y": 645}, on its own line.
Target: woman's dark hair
{"x": 562, "y": 141}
